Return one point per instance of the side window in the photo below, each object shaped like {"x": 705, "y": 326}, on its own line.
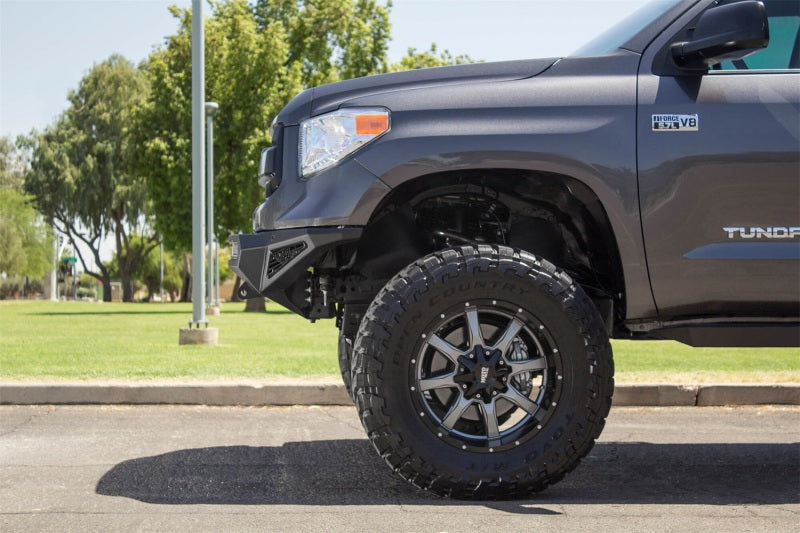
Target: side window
{"x": 784, "y": 40}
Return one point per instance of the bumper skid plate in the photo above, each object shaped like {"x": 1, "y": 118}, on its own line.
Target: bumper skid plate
{"x": 271, "y": 262}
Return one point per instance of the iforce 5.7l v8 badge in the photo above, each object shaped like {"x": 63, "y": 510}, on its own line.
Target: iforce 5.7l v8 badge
{"x": 676, "y": 123}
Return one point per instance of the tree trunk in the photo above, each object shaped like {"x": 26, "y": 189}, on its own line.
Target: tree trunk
{"x": 66, "y": 227}
{"x": 186, "y": 279}
{"x": 106, "y": 287}
{"x": 256, "y": 305}
{"x": 127, "y": 287}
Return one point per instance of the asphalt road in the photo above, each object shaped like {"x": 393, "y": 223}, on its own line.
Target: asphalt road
{"x": 164, "y": 468}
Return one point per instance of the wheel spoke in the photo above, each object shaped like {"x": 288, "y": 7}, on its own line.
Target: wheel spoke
{"x": 474, "y": 328}
{"x": 456, "y": 411}
{"x": 508, "y": 336}
{"x": 527, "y": 365}
{"x": 438, "y": 382}
{"x": 445, "y": 348}
{"x": 516, "y": 397}
{"x": 490, "y": 419}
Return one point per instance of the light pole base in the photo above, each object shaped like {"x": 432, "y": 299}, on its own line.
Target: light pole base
{"x": 204, "y": 336}
{"x": 212, "y": 311}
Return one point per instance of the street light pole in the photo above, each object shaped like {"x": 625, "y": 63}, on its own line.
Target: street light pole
{"x": 194, "y": 334}
{"x": 211, "y": 110}
{"x": 198, "y": 164}
{"x": 216, "y": 270}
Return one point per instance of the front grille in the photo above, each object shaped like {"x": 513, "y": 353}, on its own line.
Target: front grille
{"x": 280, "y": 257}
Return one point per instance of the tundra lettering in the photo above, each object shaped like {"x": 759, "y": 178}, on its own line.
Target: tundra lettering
{"x": 767, "y": 233}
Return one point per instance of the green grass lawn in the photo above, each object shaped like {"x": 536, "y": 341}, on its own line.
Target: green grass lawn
{"x": 77, "y": 340}
{"x": 109, "y": 340}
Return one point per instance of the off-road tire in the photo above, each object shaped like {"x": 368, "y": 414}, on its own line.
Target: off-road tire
{"x": 345, "y": 367}
{"x": 435, "y": 450}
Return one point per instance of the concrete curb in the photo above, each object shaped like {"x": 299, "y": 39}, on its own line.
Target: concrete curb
{"x": 653, "y": 395}
{"x": 756, "y": 394}
{"x": 282, "y": 393}
{"x": 333, "y": 393}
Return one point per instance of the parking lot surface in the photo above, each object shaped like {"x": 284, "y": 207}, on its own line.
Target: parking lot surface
{"x": 174, "y": 468}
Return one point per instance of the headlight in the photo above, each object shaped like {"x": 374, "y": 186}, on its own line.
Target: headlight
{"x": 327, "y": 139}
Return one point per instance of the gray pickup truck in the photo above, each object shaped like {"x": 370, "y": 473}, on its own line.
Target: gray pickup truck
{"x": 479, "y": 232}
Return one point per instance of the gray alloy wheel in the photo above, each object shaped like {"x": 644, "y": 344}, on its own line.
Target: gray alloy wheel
{"x": 483, "y": 376}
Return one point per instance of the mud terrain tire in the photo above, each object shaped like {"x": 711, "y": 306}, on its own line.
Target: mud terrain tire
{"x": 482, "y": 372}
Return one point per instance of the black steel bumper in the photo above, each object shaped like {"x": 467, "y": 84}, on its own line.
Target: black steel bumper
{"x": 275, "y": 263}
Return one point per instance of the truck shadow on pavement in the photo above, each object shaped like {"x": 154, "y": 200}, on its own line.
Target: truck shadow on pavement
{"x": 348, "y": 472}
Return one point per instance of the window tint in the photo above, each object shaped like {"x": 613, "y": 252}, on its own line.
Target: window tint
{"x": 784, "y": 40}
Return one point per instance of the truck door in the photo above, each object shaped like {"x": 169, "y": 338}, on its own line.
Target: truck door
{"x": 719, "y": 180}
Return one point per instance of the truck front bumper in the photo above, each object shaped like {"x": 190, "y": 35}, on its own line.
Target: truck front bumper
{"x": 275, "y": 263}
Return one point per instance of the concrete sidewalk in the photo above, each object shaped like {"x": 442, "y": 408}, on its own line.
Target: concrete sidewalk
{"x": 330, "y": 392}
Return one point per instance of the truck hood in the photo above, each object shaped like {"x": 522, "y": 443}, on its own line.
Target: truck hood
{"x": 328, "y": 97}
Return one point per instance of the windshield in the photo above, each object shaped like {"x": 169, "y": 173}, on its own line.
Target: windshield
{"x": 627, "y": 28}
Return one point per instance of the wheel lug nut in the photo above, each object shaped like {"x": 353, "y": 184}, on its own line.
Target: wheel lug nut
{"x": 494, "y": 393}
{"x": 463, "y": 386}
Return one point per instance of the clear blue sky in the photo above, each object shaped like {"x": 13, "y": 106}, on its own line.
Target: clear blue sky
{"x": 47, "y": 46}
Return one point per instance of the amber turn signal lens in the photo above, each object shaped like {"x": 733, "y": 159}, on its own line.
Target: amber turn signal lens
{"x": 371, "y": 124}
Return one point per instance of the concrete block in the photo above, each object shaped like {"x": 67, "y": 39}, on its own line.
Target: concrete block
{"x": 205, "y": 336}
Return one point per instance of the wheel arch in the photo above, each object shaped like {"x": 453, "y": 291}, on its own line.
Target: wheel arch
{"x": 562, "y": 210}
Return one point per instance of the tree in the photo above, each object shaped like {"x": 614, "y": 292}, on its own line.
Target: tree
{"x": 250, "y": 91}
{"x": 81, "y": 176}
{"x": 429, "y": 58}
{"x": 25, "y": 240}
{"x": 12, "y": 165}
{"x": 257, "y": 59}
{"x": 330, "y": 40}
